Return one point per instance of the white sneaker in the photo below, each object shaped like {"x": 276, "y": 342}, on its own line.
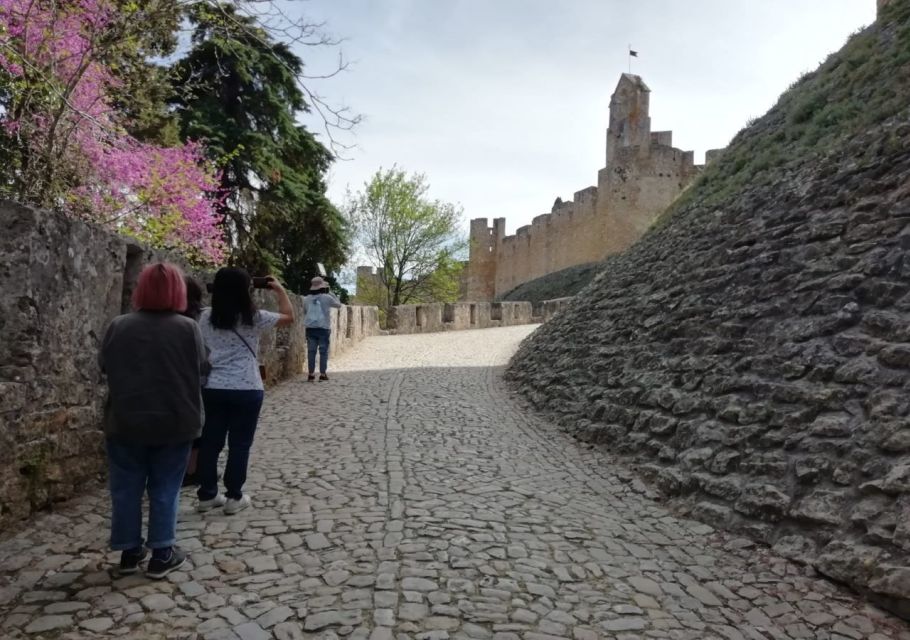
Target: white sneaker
{"x": 207, "y": 505}
{"x": 233, "y": 506}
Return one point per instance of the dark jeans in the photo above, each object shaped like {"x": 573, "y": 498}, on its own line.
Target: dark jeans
{"x": 317, "y": 339}
{"x": 133, "y": 470}
{"x": 229, "y": 415}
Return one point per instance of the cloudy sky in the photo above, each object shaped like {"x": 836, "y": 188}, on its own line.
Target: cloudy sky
{"x": 503, "y": 103}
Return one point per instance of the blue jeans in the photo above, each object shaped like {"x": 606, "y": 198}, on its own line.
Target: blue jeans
{"x": 317, "y": 339}
{"x": 133, "y": 470}
{"x": 231, "y": 415}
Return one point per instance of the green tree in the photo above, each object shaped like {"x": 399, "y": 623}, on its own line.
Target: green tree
{"x": 68, "y": 69}
{"x": 238, "y": 91}
{"x": 296, "y": 227}
{"x": 415, "y": 242}
{"x": 149, "y": 32}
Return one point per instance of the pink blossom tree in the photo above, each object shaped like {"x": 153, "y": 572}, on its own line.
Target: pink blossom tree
{"x": 66, "y": 144}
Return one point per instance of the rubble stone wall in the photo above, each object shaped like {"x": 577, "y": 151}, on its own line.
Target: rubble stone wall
{"x": 751, "y": 355}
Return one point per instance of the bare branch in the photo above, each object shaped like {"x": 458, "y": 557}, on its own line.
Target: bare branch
{"x": 281, "y": 27}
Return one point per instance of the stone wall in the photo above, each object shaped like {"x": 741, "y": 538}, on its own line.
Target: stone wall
{"x": 570, "y": 235}
{"x": 644, "y": 173}
{"x": 549, "y": 309}
{"x": 751, "y": 354}
{"x": 435, "y": 317}
{"x": 61, "y": 282}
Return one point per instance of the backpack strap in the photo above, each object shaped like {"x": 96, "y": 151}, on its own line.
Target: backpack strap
{"x": 246, "y": 344}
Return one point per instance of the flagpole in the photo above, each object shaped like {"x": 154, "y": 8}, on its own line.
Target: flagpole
{"x": 630, "y": 59}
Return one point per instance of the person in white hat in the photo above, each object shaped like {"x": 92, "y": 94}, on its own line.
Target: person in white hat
{"x": 317, "y": 310}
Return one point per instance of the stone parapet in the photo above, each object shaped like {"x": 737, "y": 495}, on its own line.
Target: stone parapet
{"x": 458, "y": 314}
{"x": 435, "y": 317}
{"x": 63, "y": 281}
{"x": 550, "y": 308}
{"x": 512, "y": 313}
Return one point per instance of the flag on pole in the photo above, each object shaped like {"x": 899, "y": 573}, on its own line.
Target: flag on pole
{"x": 632, "y": 53}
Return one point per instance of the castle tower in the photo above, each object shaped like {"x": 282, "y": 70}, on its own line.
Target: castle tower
{"x": 630, "y": 124}
{"x": 368, "y": 283}
{"x": 483, "y": 255}
{"x": 644, "y": 173}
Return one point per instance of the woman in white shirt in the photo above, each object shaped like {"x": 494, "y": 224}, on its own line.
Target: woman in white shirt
{"x": 234, "y": 391}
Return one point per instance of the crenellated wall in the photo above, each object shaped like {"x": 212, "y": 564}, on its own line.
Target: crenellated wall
{"x": 458, "y": 316}
{"x": 644, "y": 173}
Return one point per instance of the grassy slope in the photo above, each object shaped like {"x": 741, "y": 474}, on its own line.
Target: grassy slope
{"x": 861, "y": 85}
{"x": 559, "y": 284}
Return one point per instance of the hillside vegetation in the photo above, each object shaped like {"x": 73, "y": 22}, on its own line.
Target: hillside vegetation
{"x": 855, "y": 89}
{"x": 559, "y": 284}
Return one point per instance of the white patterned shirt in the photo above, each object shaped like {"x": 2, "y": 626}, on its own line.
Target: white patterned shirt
{"x": 233, "y": 365}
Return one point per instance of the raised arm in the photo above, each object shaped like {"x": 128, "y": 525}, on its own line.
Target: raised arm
{"x": 334, "y": 302}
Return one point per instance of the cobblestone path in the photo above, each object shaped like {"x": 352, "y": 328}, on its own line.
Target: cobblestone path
{"x": 409, "y": 498}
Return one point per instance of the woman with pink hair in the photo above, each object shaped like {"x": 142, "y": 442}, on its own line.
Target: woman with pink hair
{"x": 154, "y": 359}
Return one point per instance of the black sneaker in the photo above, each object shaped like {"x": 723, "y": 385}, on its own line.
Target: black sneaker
{"x": 311, "y": 378}
{"x": 130, "y": 560}
{"x": 160, "y": 568}
{"x": 323, "y": 376}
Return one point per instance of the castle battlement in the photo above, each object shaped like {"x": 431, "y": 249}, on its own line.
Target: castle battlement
{"x": 643, "y": 174}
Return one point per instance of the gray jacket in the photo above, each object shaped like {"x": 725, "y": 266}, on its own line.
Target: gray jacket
{"x": 324, "y": 303}
{"x": 154, "y": 363}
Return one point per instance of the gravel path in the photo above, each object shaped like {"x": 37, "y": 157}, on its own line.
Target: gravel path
{"x": 411, "y": 498}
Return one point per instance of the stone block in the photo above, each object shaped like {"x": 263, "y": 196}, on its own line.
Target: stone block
{"x": 370, "y": 320}
{"x": 714, "y": 514}
{"x": 763, "y": 501}
{"x": 458, "y": 316}
{"x": 512, "y": 313}
{"x": 403, "y": 319}
{"x": 481, "y": 315}
{"x": 821, "y": 506}
{"x": 429, "y": 317}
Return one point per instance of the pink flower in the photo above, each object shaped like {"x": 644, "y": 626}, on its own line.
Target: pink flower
{"x": 165, "y": 196}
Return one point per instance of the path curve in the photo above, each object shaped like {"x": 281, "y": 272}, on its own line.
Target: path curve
{"x": 411, "y": 498}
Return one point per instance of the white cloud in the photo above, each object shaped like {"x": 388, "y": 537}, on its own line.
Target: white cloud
{"x": 503, "y": 103}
